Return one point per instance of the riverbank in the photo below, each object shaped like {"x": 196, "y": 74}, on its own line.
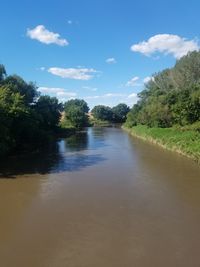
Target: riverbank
{"x": 185, "y": 142}
{"x": 99, "y": 123}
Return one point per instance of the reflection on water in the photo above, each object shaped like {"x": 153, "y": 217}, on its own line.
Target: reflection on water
{"x": 100, "y": 199}
{"x": 77, "y": 142}
{"x": 70, "y": 154}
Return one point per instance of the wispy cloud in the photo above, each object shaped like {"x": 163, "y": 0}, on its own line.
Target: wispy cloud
{"x": 112, "y": 99}
{"x": 61, "y": 93}
{"x": 92, "y": 89}
{"x": 133, "y": 95}
{"x": 41, "y": 34}
{"x": 147, "y": 79}
{"x": 108, "y": 95}
{"x": 111, "y": 60}
{"x": 133, "y": 82}
{"x": 73, "y": 73}
{"x": 167, "y": 44}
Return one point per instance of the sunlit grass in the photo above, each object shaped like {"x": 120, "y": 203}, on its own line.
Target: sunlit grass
{"x": 182, "y": 140}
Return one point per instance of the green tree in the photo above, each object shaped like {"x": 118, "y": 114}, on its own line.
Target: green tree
{"x": 18, "y": 85}
{"x": 12, "y": 113}
{"x": 171, "y": 96}
{"x": 26, "y": 121}
{"x": 119, "y": 112}
{"x": 76, "y": 102}
{"x": 49, "y": 112}
{"x": 76, "y": 113}
{"x": 102, "y": 112}
{"x": 77, "y": 117}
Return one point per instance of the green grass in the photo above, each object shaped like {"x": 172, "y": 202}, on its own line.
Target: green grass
{"x": 182, "y": 140}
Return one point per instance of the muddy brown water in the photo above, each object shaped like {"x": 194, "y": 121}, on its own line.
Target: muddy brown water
{"x": 100, "y": 199}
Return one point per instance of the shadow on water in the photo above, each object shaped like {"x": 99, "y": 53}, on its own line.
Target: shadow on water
{"x": 65, "y": 155}
{"x": 77, "y": 142}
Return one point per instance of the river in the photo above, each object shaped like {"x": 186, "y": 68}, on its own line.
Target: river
{"x": 100, "y": 199}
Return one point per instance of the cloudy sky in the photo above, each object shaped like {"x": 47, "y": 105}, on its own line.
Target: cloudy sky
{"x": 100, "y": 50}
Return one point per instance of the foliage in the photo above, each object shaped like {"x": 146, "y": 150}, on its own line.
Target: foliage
{"x": 27, "y": 121}
{"x": 18, "y": 85}
{"x": 76, "y": 102}
{"x": 119, "y": 112}
{"x": 76, "y": 113}
{"x": 48, "y": 109}
{"x": 102, "y": 112}
{"x": 171, "y": 97}
{"x": 116, "y": 114}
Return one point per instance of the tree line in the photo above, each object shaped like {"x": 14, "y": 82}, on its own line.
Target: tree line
{"x": 171, "y": 97}
{"x": 29, "y": 120}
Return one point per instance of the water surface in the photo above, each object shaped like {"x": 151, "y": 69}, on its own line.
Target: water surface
{"x": 100, "y": 199}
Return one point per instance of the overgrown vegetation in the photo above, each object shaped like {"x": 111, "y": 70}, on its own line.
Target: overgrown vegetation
{"x": 27, "y": 120}
{"x": 169, "y": 107}
{"x": 171, "y": 97}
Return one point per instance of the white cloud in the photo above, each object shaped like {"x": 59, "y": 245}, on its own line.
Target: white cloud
{"x": 133, "y": 82}
{"x": 73, "y": 73}
{"x": 111, "y": 60}
{"x": 43, "y": 35}
{"x": 108, "y": 95}
{"x": 147, "y": 79}
{"x": 167, "y": 44}
{"x": 133, "y": 95}
{"x": 66, "y": 94}
{"x": 42, "y": 68}
{"x": 60, "y": 93}
{"x": 50, "y": 90}
{"x": 112, "y": 99}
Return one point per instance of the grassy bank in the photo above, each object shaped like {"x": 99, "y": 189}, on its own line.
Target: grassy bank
{"x": 182, "y": 140}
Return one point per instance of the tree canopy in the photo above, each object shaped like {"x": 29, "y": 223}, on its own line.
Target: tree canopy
{"x": 116, "y": 114}
{"x": 119, "y": 112}
{"x": 171, "y": 96}
{"x": 76, "y": 113}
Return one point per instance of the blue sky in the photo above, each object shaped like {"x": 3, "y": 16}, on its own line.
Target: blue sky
{"x": 100, "y": 50}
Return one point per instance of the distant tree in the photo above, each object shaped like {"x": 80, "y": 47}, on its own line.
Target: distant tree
{"x": 119, "y": 112}
{"x": 76, "y": 112}
{"x": 76, "y": 102}
{"x": 102, "y": 112}
{"x": 77, "y": 117}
